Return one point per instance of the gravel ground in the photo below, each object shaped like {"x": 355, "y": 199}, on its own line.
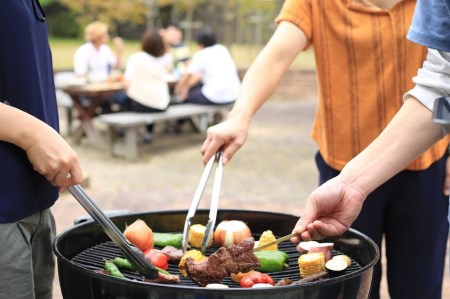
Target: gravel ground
{"x": 274, "y": 171}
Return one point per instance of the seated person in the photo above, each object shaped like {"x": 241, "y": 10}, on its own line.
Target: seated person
{"x": 148, "y": 90}
{"x": 95, "y": 60}
{"x": 177, "y": 49}
{"x": 145, "y": 74}
{"x": 211, "y": 77}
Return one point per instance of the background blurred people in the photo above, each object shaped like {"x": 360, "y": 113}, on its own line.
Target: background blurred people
{"x": 173, "y": 36}
{"x": 357, "y": 99}
{"x": 95, "y": 60}
{"x": 211, "y": 77}
{"x": 145, "y": 74}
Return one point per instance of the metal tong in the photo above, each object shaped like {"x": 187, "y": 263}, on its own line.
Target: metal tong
{"x": 134, "y": 255}
{"x": 214, "y": 202}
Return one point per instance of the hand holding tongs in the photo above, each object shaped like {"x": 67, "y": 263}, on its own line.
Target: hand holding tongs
{"x": 134, "y": 255}
{"x": 214, "y": 202}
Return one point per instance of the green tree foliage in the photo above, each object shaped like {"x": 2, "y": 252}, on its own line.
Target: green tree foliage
{"x": 112, "y": 12}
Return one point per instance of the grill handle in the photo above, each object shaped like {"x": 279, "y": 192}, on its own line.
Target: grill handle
{"x": 135, "y": 256}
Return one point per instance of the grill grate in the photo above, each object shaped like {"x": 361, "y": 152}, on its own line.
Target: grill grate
{"x": 93, "y": 259}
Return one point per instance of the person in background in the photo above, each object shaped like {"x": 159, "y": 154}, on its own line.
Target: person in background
{"x": 180, "y": 52}
{"x": 95, "y": 60}
{"x": 364, "y": 65}
{"x": 34, "y": 158}
{"x": 211, "y": 77}
{"x": 145, "y": 74}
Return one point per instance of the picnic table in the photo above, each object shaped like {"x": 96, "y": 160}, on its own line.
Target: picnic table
{"x": 86, "y": 99}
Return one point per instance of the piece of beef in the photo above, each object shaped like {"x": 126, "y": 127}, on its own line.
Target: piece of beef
{"x": 173, "y": 254}
{"x": 236, "y": 258}
{"x": 283, "y": 282}
{"x": 164, "y": 278}
{"x": 311, "y": 278}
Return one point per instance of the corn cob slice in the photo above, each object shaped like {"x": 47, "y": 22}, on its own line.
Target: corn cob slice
{"x": 194, "y": 254}
{"x": 311, "y": 263}
{"x": 267, "y": 237}
{"x": 196, "y": 233}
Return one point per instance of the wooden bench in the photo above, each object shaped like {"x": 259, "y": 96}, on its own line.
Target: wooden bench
{"x": 131, "y": 123}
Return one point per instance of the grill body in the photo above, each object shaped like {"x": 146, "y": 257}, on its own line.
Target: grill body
{"x": 77, "y": 248}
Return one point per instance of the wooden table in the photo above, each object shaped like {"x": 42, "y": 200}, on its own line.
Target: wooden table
{"x": 86, "y": 99}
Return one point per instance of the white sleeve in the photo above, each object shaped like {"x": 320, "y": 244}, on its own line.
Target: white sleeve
{"x": 195, "y": 66}
{"x": 80, "y": 64}
{"x": 432, "y": 80}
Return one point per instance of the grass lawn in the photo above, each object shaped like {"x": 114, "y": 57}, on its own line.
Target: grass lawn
{"x": 63, "y": 50}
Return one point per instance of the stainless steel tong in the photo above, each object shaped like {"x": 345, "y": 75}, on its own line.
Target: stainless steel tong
{"x": 214, "y": 202}
{"x": 134, "y": 255}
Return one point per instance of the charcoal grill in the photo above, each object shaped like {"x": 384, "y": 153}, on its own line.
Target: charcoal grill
{"x": 82, "y": 249}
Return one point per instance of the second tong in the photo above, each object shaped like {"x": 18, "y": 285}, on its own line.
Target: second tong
{"x": 214, "y": 202}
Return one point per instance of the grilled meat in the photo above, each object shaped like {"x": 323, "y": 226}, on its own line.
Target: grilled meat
{"x": 234, "y": 259}
{"x": 173, "y": 254}
{"x": 164, "y": 278}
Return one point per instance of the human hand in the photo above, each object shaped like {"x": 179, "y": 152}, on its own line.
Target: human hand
{"x": 447, "y": 177}
{"x": 229, "y": 135}
{"x": 53, "y": 157}
{"x": 330, "y": 210}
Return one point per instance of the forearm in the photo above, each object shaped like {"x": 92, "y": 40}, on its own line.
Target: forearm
{"x": 409, "y": 134}
{"x": 267, "y": 70}
{"x": 18, "y": 127}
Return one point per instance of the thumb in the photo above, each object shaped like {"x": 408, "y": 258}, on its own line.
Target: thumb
{"x": 308, "y": 217}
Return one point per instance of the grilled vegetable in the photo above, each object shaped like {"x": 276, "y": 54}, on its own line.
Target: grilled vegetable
{"x": 194, "y": 254}
{"x": 231, "y": 232}
{"x": 122, "y": 263}
{"x": 113, "y": 270}
{"x": 217, "y": 286}
{"x": 345, "y": 258}
{"x": 272, "y": 261}
{"x": 311, "y": 263}
{"x": 255, "y": 277}
{"x": 168, "y": 239}
{"x": 196, "y": 233}
{"x": 267, "y": 237}
{"x": 157, "y": 258}
{"x": 336, "y": 265}
{"x": 140, "y": 234}
{"x": 236, "y": 277}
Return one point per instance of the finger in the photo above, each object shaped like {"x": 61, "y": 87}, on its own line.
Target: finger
{"x": 211, "y": 150}
{"x": 51, "y": 178}
{"x": 74, "y": 176}
{"x": 229, "y": 151}
{"x": 205, "y": 146}
{"x": 60, "y": 178}
{"x": 314, "y": 232}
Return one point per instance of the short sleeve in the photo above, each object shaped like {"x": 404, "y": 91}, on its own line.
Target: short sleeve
{"x": 299, "y": 13}
{"x": 432, "y": 80}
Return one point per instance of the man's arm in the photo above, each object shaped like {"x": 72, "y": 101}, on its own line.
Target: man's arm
{"x": 332, "y": 208}
{"x": 259, "y": 82}
{"x": 47, "y": 151}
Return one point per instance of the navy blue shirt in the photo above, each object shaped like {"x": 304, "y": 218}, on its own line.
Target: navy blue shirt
{"x": 26, "y": 83}
{"x": 431, "y": 24}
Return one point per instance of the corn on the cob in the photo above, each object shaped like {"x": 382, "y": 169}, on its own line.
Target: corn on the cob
{"x": 311, "y": 263}
{"x": 196, "y": 233}
{"x": 194, "y": 254}
{"x": 267, "y": 237}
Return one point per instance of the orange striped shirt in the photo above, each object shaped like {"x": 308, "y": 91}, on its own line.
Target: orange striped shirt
{"x": 364, "y": 66}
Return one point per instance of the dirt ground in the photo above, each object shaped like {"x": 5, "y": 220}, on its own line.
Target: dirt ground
{"x": 274, "y": 171}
